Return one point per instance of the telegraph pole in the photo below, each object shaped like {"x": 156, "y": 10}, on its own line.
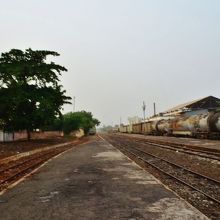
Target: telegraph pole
{"x": 144, "y": 108}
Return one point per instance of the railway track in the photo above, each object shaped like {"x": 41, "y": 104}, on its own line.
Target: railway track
{"x": 202, "y": 188}
{"x": 14, "y": 170}
{"x": 207, "y": 154}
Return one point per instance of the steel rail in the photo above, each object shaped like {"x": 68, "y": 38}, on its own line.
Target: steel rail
{"x": 40, "y": 159}
{"x": 174, "y": 177}
{"x": 182, "y": 149}
{"x": 181, "y": 167}
{"x": 11, "y": 177}
{"x": 28, "y": 159}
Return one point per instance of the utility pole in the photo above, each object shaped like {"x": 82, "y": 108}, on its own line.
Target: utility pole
{"x": 144, "y": 108}
{"x": 74, "y": 103}
{"x": 154, "y": 109}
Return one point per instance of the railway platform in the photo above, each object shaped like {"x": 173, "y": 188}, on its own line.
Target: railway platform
{"x": 93, "y": 181}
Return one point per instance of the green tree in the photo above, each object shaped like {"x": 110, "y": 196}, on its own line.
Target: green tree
{"x": 30, "y": 93}
{"x": 75, "y": 120}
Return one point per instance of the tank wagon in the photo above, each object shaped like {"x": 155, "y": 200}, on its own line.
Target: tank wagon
{"x": 201, "y": 125}
{"x": 192, "y": 121}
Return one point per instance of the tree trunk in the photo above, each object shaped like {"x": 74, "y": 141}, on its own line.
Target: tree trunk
{"x": 28, "y": 135}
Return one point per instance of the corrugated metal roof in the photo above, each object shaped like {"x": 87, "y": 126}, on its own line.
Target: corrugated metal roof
{"x": 206, "y": 102}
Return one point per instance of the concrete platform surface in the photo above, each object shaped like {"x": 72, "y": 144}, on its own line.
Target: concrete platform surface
{"x": 93, "y": 181}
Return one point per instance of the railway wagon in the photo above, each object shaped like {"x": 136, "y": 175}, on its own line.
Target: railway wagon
{"x": 164, "y": 127}
{"x": 129, "y": 128}
{"x": 198, "y": 118}
{"x": 146, "y": 128}
{"x": 214, "y": 122}
{"x": 200, "y": 125}
{"x": 149, "y": 127}
{"x": 156, "y": 126}
{"x": 92, "y": 131}
{"x": 204, "y": 125}
{"x": 137, "y": 128}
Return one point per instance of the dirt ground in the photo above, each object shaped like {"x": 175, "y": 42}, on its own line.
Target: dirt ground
{"x": 11, "y": 148}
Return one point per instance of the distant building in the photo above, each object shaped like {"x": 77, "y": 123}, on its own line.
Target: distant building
{"x": 134, "y": 120}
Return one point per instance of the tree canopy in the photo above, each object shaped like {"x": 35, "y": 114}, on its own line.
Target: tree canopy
{"x": 75, "y": 120}
{"x": 30, "y": 93}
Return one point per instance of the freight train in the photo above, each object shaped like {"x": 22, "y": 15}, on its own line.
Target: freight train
{"x": 192, "y": 124}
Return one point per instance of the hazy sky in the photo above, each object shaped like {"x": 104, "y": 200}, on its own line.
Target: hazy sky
{"x": 121, "y": 52}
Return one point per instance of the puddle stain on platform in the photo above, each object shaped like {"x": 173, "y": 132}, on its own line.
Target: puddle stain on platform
{"x": 128, "y": 169}
{"x": 173, "y": 208}
{"x": 47, "y": 198}
{"x": 110, "y": 155}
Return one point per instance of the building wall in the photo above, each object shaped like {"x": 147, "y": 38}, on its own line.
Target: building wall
{"x": 46, "y": 134}
{"x": 1, "y": 136}
{"x": 5, "y": 136}
{"x": 22, "y": 135}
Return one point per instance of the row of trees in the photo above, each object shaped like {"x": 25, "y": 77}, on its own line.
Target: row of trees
{"x": 31, "y": 96}
{"x": 73, "y": 121}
